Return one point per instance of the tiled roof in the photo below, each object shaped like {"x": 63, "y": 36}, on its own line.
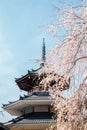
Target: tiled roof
{"x": 30, "y": 96}
{"x": 34, "y": 118}
{"x": 33, "y": 72}
{"x": 31, "y": 80}
{"x": 36, "y": 121}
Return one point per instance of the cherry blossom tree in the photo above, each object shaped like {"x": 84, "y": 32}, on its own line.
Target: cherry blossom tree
{"x": 66, "y": 68}
{"x": 70, "y": 57}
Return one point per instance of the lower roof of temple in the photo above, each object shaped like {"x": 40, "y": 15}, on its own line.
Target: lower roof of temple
{"x": 33, "y": 96}
{"x": 34, "y": 118}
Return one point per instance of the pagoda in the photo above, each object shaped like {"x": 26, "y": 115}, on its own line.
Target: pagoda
{"x": 33, "y": 110}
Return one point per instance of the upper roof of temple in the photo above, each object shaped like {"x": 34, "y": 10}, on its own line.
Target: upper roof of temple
{"x": 31, "y": 81}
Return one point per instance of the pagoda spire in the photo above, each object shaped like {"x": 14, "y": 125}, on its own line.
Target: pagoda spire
{"x": 43, "y": 52}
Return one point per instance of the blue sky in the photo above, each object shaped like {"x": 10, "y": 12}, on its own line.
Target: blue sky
{"x": 22, "y": 27}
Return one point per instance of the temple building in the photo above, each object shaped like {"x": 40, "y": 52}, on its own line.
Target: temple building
{"x": 33, "y": 110}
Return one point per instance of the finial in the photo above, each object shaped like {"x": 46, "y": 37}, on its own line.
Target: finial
{"x": 43, "y": 51}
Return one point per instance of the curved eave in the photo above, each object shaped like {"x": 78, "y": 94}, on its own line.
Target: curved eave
{"x": 27, "y": 82}
{"x": 30, "y": 73}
